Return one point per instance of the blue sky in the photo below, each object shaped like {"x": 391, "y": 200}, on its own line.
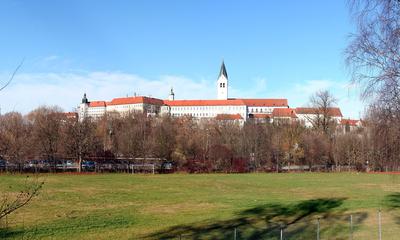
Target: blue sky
{"x": 272, "y": 49}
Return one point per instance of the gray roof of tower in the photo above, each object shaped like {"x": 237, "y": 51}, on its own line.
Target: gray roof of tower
{"x": 223, "y": 70}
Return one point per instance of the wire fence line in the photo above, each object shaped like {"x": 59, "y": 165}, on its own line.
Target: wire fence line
{"x": 380, "y": 225}
{"x": 347, "y": 226}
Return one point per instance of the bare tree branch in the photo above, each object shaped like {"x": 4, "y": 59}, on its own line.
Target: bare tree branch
{"x": 8, "y": 204}
{"x": 12, "y": 76}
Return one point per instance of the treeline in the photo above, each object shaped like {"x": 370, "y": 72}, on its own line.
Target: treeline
{"x": 192, "y": 145}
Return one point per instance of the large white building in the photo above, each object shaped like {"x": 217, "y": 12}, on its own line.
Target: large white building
{"x": 222, "y": 108}
{"x": 96, "y": 109}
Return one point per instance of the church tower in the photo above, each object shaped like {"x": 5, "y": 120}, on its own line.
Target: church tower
{"x": 171, "y": 96}
{"x": 83, "y": 108}
{"x": 222, "y": 83}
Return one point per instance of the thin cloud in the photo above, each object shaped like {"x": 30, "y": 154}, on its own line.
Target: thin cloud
{"x": 30, "y": 90}
{"x": 50, "y": 58}
{"x": 258, "y": 89}
{"x": 66, "y": 89}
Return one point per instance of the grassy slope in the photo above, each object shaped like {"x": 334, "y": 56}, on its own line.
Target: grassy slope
{"x": 160, "y": 206}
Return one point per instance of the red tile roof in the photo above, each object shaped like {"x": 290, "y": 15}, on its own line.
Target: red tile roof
{"x": 97, "y": 104}
{"x": 261, "y": 115}
{"x": 284, "y": 112}
{"x": 230, "y": 102}
{"x": 266, "y": 102}
{"x": 229, "y": 117}
{"x": 350, "y": 122}
{"x": 135, "y": 100}
{"x": 333, "y": 112}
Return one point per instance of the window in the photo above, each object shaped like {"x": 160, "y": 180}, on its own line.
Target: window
{"x": 223, "y": 85}
{"x": 220, "y": 84}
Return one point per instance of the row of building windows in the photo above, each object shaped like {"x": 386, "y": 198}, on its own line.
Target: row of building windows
{"x": 194, "y": 114}
{"x": 256, "y": 110}
{"x": 202, "y": 108}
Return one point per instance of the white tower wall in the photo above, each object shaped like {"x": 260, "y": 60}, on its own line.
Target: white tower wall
{"x": 222, "y": 88}
{"x": 222, "y": 83}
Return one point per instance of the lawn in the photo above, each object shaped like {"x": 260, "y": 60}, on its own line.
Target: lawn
{"x": 207, "y": 206}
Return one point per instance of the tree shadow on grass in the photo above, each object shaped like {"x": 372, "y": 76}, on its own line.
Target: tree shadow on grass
{"x": 265, "y": 222}
{"x": 392, "y": 202}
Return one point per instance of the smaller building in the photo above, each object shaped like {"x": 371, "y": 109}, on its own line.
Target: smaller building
{"x": 232, "y": 118}
{"x": 350, "y": 125}
{"x": 310, "y": 116}
{"x": 287, "y": 115}
{"x": 97, "y": 109}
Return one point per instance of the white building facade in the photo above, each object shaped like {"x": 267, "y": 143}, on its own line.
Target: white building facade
{"x": 235, "y": 109}
{"x": 121, "y": 106}
{"x": 309, "y": 116}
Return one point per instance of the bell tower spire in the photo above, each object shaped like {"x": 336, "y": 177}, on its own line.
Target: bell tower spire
{"x": 171, "y": 96}
{"x": 222, "y": 83}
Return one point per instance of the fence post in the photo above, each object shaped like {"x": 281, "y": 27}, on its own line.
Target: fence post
{"x": 281, "y": 233}
{"x": 351, "y": 227}
{"x": 317, "y": 228}
{"x": 380, "y": 224}
{"x": 234, "y": 234}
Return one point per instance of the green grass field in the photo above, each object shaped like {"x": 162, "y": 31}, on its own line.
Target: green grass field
{"x": 209, "y": 206}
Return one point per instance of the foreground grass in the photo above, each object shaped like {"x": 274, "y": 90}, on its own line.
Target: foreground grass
{"x": 208, "y": 206}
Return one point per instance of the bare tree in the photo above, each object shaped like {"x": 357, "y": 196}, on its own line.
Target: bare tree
{"x": 163, "y": 135}
{"x": 348, "y": 151}
{"x": 322, "y": 103}
{"x": 290, "y": 135}
{"x": 131, "y": 135}
{"x": 192, "y": 145}
{"x": 316, "y": 148}
{"x": 257, "y": 144}
{"x": 9, "y": 203}
{"x": 373, "y": 58}
{"x": 80, "y": 139}
{"x": 13, "y": 144}
{"x": 47, "y": 132}
{"x": 12, "y": 77}
{"x": 14, "y": 138}
{"x": 373, "y": 55}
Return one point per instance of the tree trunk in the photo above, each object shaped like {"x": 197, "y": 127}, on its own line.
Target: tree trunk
{"x": 80, "y": 164}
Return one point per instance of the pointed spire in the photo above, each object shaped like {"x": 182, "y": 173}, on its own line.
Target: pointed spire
{"x": 223, "y": 70}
